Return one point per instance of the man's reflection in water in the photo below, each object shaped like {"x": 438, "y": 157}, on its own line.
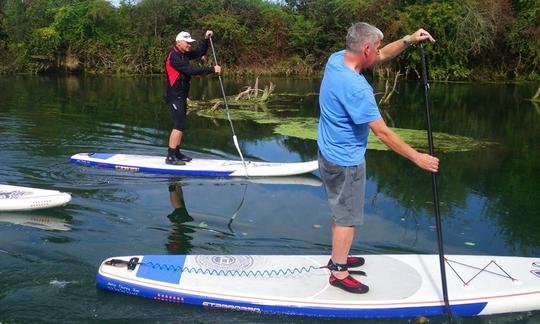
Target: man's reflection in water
{"x": 181, "y": 236}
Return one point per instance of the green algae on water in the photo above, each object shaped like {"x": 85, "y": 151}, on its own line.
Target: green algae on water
{"x": 306, "y": 128}
{"x": 300, "y": 127}
{"x": 260, "y": 117}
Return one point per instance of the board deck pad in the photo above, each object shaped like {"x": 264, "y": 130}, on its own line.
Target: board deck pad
{"x": 156, "y": 273}
{"x": 400, "y": 285}
{"x": 197, "y": 167}
{"x": 15, "y": 198}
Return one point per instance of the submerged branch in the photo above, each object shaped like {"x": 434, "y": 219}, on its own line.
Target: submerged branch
{"x": 248, "y": 97}
{"x": 389, "y": 92}
{"x": 536, "y": 97}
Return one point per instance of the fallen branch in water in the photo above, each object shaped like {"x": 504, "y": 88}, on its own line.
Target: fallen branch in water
{"x": 247, "y": 97}
{"x": 387, "y": 91}
{"x": 536, "y": 97}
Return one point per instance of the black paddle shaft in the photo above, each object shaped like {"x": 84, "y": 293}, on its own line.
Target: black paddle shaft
{"x": 438, "y": 223}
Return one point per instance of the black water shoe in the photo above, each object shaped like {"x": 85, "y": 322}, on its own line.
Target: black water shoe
{"x": 172, "y": 160}
{"x": 349, "y": 284}
{"x": 181, "y": 156}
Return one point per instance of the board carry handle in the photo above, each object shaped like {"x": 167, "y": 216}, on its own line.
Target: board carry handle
{"x": 131, "y": 264}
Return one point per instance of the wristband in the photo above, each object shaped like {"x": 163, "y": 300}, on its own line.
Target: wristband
{"x": 406, "y": 40}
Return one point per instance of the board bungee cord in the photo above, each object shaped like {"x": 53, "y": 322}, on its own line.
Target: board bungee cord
{"x": 133, "y": 262}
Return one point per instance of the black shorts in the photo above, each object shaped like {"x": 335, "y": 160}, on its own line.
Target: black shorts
{"x": 178, "y": 108}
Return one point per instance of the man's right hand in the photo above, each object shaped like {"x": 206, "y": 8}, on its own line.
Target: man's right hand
{"x": 217, "y": 69}
{"x": 427, "y": 162}
{"x": 420, "y": 35}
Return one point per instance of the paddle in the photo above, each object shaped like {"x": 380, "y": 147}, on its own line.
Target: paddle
{"x": 434, "y": 185}
{"x": 235, "y": 140}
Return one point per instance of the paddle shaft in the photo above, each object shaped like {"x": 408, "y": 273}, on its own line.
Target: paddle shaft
{"x": 434, "y": 185}
{"x": 235, "y": 139}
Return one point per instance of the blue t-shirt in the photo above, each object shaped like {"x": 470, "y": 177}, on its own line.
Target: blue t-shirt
{"x": 347, "y": 106}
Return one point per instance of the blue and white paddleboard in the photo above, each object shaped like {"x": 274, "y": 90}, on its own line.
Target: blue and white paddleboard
{"x": 14, "y": 198}
{"x": 400, "y": 285}
{"x": 197, "y": 167}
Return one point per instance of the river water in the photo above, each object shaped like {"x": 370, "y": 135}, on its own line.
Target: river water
{"x": 490, "y": 198}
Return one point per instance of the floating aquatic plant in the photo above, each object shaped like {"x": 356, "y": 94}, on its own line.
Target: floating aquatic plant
{"x": 306, "y": 128}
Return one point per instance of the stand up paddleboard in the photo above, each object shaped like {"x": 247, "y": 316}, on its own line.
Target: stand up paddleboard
{"x": 197, "y": 167}
{"x": 400, "y": 285}
{"x": 22, "y": 198}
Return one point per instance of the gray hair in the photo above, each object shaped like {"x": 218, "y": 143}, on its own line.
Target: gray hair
{"x": 360, "y": 34}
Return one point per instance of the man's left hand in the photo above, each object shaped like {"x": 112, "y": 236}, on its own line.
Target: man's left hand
{"x": 208, "y": 34}
{"x": 420, "y": 35}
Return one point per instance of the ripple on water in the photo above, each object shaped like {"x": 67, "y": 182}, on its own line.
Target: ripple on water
{"x": 61, "y": 283}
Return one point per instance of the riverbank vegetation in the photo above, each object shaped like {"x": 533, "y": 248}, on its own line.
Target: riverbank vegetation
{"x": 476, "y": 39}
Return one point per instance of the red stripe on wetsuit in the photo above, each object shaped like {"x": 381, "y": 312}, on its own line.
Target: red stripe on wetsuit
{"x": 171, "y": 73}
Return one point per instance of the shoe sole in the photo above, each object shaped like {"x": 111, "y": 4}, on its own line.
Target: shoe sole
{"x": 175, "y": 163}
{"x": 361, "y": 290}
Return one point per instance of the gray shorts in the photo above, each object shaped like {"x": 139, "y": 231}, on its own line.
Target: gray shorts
{"x": 345, "y": 188}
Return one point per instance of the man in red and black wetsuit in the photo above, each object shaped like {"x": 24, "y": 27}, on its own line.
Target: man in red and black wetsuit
{"x": 178, "y": 74}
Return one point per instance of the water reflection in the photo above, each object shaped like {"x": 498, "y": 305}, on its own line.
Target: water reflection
{"x": 187, "y": 225}
{"x": 35, "y": 220}
{"x": 182, "y": 234}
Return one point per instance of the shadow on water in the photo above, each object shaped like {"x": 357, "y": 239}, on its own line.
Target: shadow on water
{"x": 489, "y": 197}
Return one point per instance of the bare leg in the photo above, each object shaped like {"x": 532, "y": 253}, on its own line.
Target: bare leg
{"x": 175, "y": 139}
{"x": 342, "y": 237}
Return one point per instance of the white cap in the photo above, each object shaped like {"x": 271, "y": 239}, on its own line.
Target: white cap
{"x": 184, "y": 36}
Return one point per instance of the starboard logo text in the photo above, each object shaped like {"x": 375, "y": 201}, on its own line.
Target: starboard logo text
{"x": 126, "y": 168}
{"x": 233, "y": 307}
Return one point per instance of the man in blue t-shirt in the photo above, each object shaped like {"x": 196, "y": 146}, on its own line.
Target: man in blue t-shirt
{"x": 348, "y": 112}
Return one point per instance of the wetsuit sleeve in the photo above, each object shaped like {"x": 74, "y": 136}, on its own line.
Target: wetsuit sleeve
{"x": 185, "y": 68}
{"x": 200, "y": 51}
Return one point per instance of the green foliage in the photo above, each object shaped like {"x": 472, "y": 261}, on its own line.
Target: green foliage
{"x": 442, "y": 20}
{"x": 303, "y": 33}
{"x": 525, "y": 34}
{"x": 45, "y": 42}
{"x": 228, "y": 31}
{"x": 475, "y": 38}
{"x": 90, "y": 20}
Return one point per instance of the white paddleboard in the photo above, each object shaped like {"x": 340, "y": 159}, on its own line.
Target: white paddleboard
{"x": 197, "y": 167}
{"x": 400, "y": 285}
{"x": 23, "y": 198}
